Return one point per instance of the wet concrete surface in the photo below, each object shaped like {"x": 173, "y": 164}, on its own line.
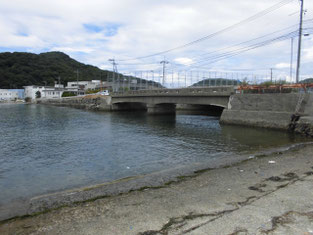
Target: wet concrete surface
{"x": 269, "y": 194}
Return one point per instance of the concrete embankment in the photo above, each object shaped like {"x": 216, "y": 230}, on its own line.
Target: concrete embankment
{"x": 275, "y": 111}
{"x": 91, "y": 102}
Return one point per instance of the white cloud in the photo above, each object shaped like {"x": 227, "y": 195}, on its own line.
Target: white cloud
{"x": 308, "y": 54}
{"x": 70, "y": 50}
{"x": 145, "y": 27}
{"x": 183, "y": 60}
{"x": 282, "y": 65}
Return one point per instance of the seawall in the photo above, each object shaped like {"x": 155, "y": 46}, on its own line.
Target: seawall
{"x": 275, "y": 111}
{"x": 92, "y": 102}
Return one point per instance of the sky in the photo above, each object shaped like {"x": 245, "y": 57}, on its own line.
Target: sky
{"x": 139, "y": 34}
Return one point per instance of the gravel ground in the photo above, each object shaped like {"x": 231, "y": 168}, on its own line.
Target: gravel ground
{"x": 270, "y": 194}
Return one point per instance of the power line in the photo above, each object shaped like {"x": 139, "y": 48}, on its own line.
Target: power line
{"x": 247, "y": 20}
{"x": 245, "y": 42}
{"x": 247, "y": 47}
{"x": 222, "y": 49}
{"x": 233, "y": 53}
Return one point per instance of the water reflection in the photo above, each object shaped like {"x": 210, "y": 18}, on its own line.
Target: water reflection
{"x": 45, "y": 149}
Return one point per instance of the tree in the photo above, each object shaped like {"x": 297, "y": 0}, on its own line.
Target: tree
{"x": 38, "y": 94}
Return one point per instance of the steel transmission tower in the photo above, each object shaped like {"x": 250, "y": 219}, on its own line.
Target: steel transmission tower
{"x": 164, "y": 62}
{"x": 114, "y": 64}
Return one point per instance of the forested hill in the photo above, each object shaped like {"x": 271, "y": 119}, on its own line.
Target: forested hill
{"x": 20, "y": 69}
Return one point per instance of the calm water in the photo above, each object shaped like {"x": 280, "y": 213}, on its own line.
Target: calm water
{"x": 45, "y": 148}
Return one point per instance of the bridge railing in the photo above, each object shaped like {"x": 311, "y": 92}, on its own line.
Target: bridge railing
{"x": 214, "y": 91}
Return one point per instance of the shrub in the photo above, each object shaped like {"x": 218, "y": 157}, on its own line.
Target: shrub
{"x": 28, "y": 99}
{"x": 68, "y": 94}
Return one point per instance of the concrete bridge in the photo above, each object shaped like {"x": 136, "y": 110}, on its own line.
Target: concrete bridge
{"x": 162, "y": 101}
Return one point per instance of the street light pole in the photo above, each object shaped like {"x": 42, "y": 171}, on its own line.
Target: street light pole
{"x": 299, "y": 43}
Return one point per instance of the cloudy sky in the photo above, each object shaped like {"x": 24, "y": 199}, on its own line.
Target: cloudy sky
{"x": 139, "y": 34}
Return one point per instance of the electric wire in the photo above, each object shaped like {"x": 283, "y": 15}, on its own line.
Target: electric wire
{"x": 235, "y": 52}
{"x": 245, "y": 42}
{"x": 247, "y": 20}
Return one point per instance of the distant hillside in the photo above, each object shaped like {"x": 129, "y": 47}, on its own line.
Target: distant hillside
{"x": 20, "y": 69}
{"x": 216, "y": 82}
{"x": 308, "y": 80}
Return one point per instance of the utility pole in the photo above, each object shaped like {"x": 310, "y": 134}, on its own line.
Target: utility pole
{"x": 271, "y": 74}
{"x": 164, "y": 62}
{"x": 291, "y": 59}
{"x": 77, "y": 75}
{"x": 59, "y": 87}
{"x": 299, "y": 43}
{"x": 114, "y": 64}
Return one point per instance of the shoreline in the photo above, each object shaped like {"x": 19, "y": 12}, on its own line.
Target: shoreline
{"x": 158, "y": 179}
{"x": 69, "y": 200}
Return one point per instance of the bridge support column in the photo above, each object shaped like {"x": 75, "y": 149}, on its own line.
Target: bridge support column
{"x": 155, "y": 109}
{"x": 128, "y": 106}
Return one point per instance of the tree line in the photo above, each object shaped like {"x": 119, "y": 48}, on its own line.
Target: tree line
{"x": 20, "y": 69}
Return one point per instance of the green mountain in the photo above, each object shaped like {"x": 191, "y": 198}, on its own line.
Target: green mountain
{"x": 216, "y": 82}
{"x": 308, "y": 80}
{"x": 20, "y": 69}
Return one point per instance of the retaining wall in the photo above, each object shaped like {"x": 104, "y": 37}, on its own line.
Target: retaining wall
{"x": 270, "y": 111}
{"x": 100, "y": 103}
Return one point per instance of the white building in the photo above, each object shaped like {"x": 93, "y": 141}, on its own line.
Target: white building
{"x": 48, "y": 92}
{"x": 84, "y": 85}
{"x": 30, "y": 91}
{"x": 35, "y": 92}
{"x": 8, "y": 95}
{"x": 53, "y": 92}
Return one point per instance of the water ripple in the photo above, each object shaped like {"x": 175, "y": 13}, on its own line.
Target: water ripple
{"x": 45, "y": 149}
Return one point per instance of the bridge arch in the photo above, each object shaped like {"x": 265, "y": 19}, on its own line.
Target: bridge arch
{"x": 166, "y": 100}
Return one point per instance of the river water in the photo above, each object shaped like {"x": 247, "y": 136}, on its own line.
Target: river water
{"x": 46, "y": 149}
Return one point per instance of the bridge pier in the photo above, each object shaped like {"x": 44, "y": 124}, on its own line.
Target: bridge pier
{"x": 155, "y": 109}
{"x": 128, "y": 106}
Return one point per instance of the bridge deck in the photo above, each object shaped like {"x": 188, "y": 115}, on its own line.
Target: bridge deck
{"x": 208, "y": 91}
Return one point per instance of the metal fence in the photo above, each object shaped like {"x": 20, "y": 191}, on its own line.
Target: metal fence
{"x": 182, "y": 79}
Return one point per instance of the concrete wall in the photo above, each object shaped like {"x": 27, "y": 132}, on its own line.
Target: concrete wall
{"x": 100, "y": 103}
{"x": 266, "y": 110}
{"x": 309, "y": 105}
{"x": 264, "y": 102}
{"x": 305, "y": 123}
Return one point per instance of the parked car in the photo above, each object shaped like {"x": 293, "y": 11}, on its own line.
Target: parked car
{"x": 105, "y": 92}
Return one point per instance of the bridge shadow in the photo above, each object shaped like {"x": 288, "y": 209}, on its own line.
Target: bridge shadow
{"x": 170, "y": 109}
{"x": 129, "y": 106}
{"x": 207, "y": 110}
